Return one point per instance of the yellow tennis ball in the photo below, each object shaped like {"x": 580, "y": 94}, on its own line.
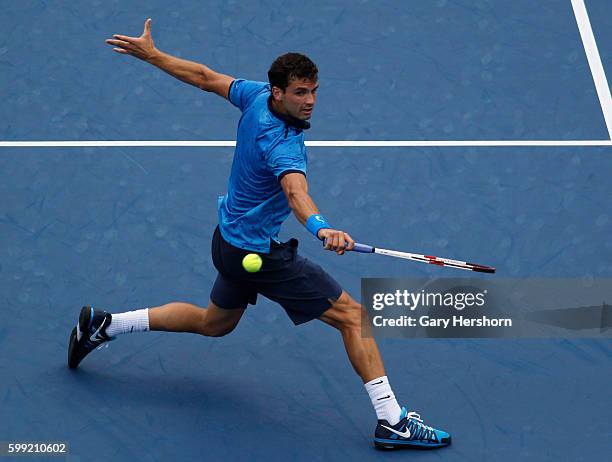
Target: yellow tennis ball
{"x": 252, "y": 263}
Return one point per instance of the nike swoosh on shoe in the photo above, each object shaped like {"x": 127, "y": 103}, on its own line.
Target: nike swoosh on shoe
{"x": 94, "y": 337}
{"x": 405, "y": 434}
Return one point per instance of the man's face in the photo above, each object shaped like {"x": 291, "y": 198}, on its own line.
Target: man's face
{"x": 298, "y": 99}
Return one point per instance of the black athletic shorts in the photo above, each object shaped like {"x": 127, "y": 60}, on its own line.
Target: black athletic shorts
{"x": 301, "y": 287}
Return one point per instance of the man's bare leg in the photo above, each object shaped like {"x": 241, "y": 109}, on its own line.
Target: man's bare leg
{"x": 185, "y": 317}
{"x": 345, "y": 315}
{"x": 96, "y": 327}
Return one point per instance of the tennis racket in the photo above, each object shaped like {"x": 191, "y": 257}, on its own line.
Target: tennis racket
{"x": 432, "y": 260}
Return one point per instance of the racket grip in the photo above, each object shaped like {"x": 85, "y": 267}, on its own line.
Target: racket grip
{"x": 361, "y": 248}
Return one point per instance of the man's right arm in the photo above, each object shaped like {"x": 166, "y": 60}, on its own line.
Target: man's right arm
{"x": 193, "y": 73}
{"x": 295, "y": 188}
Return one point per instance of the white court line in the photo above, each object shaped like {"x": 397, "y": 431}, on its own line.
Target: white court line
{"x": 460, "y": 143}
{"x": 342, "y": 144}
{"x": 597, "y": 70}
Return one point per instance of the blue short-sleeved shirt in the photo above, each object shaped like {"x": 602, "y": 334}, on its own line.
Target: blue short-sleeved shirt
{"x": 255, "y": 206}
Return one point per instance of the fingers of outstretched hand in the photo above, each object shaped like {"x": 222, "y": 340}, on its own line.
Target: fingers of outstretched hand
{"x": 118, "y": 43}
{"x": 147, "y": 27}
{"x": 125, "y": 38}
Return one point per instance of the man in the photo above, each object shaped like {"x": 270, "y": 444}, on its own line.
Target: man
{"x": 267, "y": 182}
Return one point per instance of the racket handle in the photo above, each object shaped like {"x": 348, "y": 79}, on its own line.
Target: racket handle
{"x": 361, "y": 248}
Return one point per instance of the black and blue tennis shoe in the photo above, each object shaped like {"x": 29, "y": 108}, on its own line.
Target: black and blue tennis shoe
{"x": 409, "y": 432}
{"x": 88, "y": 335}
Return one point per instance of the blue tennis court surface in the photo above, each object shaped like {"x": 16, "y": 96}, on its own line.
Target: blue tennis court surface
{"x": 129, "y": 227}
{"x": 431, "y": 70}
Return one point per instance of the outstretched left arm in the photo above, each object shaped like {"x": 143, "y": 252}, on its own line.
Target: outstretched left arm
{"x": 190, "y": 72}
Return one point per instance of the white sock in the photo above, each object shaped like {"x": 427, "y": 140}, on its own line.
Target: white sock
{"x": 383, "y": 400}
{"x": 126, "y": 323}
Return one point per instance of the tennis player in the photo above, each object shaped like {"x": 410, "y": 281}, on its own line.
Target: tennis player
{"x": 267, "y": 182}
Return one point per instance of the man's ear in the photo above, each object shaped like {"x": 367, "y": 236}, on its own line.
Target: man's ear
{"x": 277, "y": 93}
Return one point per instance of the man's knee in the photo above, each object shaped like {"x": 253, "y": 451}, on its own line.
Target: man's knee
{"x": 218, "y": 322}
{"x": 353, "y": 316}
{"x": 345, "y": 313}
{"x": 217, "y": 331}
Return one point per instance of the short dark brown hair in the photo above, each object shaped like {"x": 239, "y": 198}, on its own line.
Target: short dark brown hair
{"x": 291, "y": 66}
